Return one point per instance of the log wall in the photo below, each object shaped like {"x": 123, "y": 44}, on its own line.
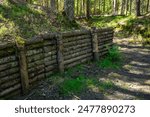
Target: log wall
{"x": 21, "y": 67}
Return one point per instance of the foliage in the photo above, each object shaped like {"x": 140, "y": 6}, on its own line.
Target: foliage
{"x": 112, "y": 60}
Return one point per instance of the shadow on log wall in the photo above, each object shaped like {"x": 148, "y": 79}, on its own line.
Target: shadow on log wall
{"x": 21, "y": 66}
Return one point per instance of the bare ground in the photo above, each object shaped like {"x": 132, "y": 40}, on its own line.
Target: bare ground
{"x": 131, "y": 82}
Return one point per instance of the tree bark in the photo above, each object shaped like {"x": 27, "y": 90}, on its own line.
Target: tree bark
{"x": 69, "y": 9}
{"x": 138, "y": 5}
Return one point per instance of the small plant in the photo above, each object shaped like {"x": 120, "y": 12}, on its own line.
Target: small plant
{"x": 72, "y": 86}
{"x": 112, "y": 60}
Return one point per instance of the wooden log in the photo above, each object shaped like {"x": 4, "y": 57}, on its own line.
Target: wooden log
{"x": 9, "y": 77}
{"x": 60, "y": 58}
{"x": 10, "y": 84}
{"x": 77, "y": 58}
{"x": 7, "y": 59}
{"x": 78, "y": 62}
{"x": 95, "y": 44}
{"x": 7, "y": 52}
{"x": 74, "y": 43}
{"x": 12, "y": 94}
{"x": 36, "y": 63}
{"x": 49, "y": 48}
{"x": 23, "y": 68}
{"x": 8, "y": 65}
{"x": 105, "y": 39}
{"x": 104, "y": 30}
{"x": 77, "y": 50}
{"x": 51, "y": 53}
{"x": 4, "y": 46}
{"x": 41, "y": 76}
{"x": 47, "y": 63}
{"x": 49, "y": 73}
{"x": 9, "y": 72}
{"x": 33, "y": 69}
{"x": 66, "y": 40}
{"x": 75, "y": 33}
{"x": 9, "y": 90}
{"x": 35, "y": 57}
{"x": 33, "y": 52}
{"x": 105, "y": 42}
{"x": 104, "y": 46}
{"x": 74, "y": 55}
{"x": 37, "y": 72}
{"x": 51, "y": 68}
{"x": 66, "y": 49}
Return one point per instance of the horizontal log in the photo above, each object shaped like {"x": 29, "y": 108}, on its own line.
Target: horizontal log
{"x": 49, "y": 73}
{"x": 79, "y": 62}
{"x": 77, "y": 58}
{"x": 33, "y": 69}
{"x": 6, "y": 53}
{"x": 36, "y": 73}
{"x": 33, "y": 52}
{"x": 71, "y": 39}
{"x": 104, "y": 30}
{"x": 51, "y": 42}
{"x": 4, "y": 46}
{"x": 12, "y": 94}
{"x": 105, "y": 42}
{"x": 101, "y": 54}
{"x": 106, "y": 39}
{"x": 75, "y": 33}
{"x": 51, "y": 53}
{"x": 9, "y": 90}
{"x": 36, "y": 63}
{"x": 77, "y": 50}
{"x": 9, "y": 72}
{"x": 47, "y": 63}
{"x": 49, "y": 48}
{"x": 105, "y": 45}
{"x": 78, "y": 42}
{"x": 80, "y": 53}
{"x": 41, "y": 76}
{"x": 8, "y": 65}
{"x": 35, "y": 46}
{"x": 66, "y": 49}
{"x": 10, "y": 83}
{"x": 51, "y": 68}
{"x": 35, "y": 57}
{"x": 7, "y": 59}
{"x": 9, "y": 78}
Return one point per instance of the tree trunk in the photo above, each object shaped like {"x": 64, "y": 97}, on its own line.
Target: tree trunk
{"x": 115, "y": 7}
{"x": 88, "y": 9}
{"x": 147, "y": 8}
{"x": 69, "y": 9}
{"x": 138, "y": 5}
{"x": 53, "y": 5}
{"x": 122, "y": 7}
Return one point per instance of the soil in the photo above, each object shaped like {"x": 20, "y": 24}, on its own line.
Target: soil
{"x": 131, "y": 82}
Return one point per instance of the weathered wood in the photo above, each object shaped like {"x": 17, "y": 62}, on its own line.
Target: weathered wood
{"x": 78, "y": 62}
{"x": 35, "y": 57}
{"x": 8, "y": 78}
{"x": 9, "y": 72}
{"x": 9, "y": 90}
{"x": 76, "y": 54}
{"x": 8, "y": 65}
{"x": 33, "y": 69}
{"x": 23, "y": 68}
{"x": 34, "y": 52}
{"x": 60, "y": 58}
{"x": 95, "y": 44}
{"x": 77, "y": 58}
{"x": 70, "y": 39}
{"x": 7, "y": 59}
{"x": 36, "y": 63}
{"x": 75, "y": 33}
{"x": 51, "y": 67}
{"x": 77, "y": 46}
{"x": 41, "y": 76}
{"x": 74, "y": 43}
{"x": 10, "y": 84}
{"x": 77, "y": 50}
{"x": 37, "y": 72}
{"x": 47, "y": 63}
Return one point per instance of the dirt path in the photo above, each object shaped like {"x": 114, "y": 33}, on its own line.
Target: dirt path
{"x": 132, "y": 81}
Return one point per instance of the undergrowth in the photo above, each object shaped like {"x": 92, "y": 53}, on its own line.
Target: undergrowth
{"x": 112, "y": 60}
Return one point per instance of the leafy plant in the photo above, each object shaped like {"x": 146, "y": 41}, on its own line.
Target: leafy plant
{"x": 112, "y": 60}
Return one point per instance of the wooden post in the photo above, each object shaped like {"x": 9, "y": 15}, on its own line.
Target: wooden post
{"x": 23, "y": 68}
{"x": 60, "y": 58}
{"x": 95, "y": 44}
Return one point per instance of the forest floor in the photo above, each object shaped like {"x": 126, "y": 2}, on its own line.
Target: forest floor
{"x": 130, "y": 81}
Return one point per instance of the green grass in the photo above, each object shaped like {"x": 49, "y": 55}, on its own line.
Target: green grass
{"x": 112, "y": 60}
{"x": 78, "y": 85}
{"x": 26, "y": 21}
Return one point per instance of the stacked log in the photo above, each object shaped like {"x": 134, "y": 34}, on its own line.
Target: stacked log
{"x": 77, "y": 48}
{"x": 10, "y": 82}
